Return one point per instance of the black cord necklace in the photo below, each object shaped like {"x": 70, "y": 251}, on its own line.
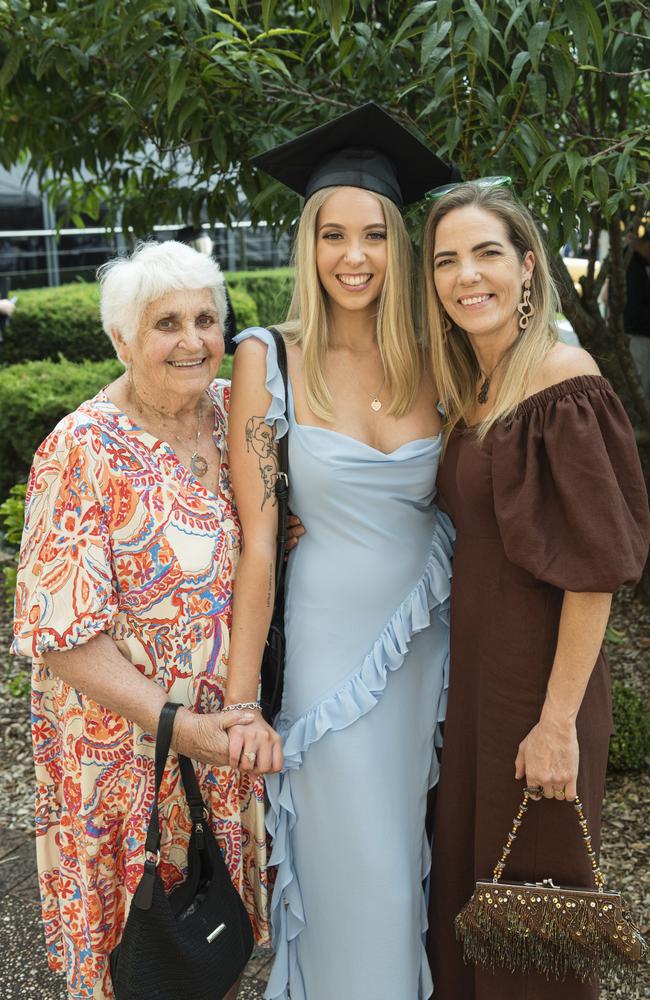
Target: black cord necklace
{"x": 487, "y": 379}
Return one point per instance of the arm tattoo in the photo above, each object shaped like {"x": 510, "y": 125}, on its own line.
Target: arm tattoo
{"x": 270, "y": 593}
{"x": 259, "y": 438}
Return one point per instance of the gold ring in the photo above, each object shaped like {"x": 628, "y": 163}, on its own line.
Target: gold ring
{"x": 559, "y": 791}
{"x": 250, "y": 756}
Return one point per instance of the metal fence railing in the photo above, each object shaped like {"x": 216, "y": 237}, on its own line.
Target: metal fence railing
{"x": 35, "y": 258}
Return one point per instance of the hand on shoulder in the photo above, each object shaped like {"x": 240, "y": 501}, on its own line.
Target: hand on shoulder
{"x": 563, "y": 361}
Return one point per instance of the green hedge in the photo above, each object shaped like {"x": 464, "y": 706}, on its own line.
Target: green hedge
{"x": 49, "y": 322}
{"x": 629, "y": 749}
{"x": 271, "y": 290}
{"x": 35, "y": 395}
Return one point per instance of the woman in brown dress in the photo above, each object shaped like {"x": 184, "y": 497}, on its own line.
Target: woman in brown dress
{"x": 542, "y": 479}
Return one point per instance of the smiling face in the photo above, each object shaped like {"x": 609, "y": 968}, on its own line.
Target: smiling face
{"x": 351, "y": 252}
{"x": 178, "y": 348}
{"x": 478, "y": 274}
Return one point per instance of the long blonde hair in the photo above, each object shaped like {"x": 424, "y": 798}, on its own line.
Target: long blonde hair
{"x": 455, "y": 367}
{"x": 308, "y": 323}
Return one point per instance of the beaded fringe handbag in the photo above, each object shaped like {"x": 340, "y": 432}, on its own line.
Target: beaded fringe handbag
{"x": 541, "y": 927}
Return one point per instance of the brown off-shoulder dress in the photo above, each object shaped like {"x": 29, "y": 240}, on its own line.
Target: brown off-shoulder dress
{"x": 553, "y": 500}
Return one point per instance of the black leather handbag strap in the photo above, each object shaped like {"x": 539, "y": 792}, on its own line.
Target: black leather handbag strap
{"x": 282, "y": 480}
{"x": 188, "y": 776}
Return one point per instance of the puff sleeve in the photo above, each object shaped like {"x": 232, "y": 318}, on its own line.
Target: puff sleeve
{"x": 569, "y": 492}
{"x": 65, "y": 592}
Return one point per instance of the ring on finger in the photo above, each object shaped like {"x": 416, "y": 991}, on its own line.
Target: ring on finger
{"x": 559, "y": 792}
{"x": 535, "y": 791}
{"x": 250, "y": 756}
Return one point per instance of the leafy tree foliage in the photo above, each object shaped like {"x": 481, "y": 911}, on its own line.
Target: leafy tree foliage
{"x": 154, "y": 109}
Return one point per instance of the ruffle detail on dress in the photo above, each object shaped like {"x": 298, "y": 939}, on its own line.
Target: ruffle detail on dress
{"x": 356, "y": 696}
{"x": 276, "y": 415}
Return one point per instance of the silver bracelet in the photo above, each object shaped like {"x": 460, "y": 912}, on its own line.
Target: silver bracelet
{"x": 241, "y": 705}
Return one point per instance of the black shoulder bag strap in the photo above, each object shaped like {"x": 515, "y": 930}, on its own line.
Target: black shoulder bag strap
{"x": 282, "y": 480}
{"x": 144, "y": 892}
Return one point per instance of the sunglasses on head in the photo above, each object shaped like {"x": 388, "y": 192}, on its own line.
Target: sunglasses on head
{"x": 489, "y": 182}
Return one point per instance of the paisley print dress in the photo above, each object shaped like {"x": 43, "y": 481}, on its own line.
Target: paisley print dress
{"x": 121, "y": 538}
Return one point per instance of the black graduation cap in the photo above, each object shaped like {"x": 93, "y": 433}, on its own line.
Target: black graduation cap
{"x": 364, "y": 148}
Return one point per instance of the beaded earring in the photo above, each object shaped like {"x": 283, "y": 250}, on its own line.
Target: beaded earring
{"x": 526, "y": 309}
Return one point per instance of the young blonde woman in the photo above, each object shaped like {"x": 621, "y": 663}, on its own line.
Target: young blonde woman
{"x": 367, "y": 589}
{"x": 542, "y": 480}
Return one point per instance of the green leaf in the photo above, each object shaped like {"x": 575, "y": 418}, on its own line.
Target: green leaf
{"x": 453, "y": 132}
{"x": 11, "y": 64}
{"x": 518, "y": 64}
{"x": 231, "y": 20}
{"x": 600, "y": 182}
{"x": 564, "y": 75}
{"x": 267, "y": 11}
{"x": 410, "y": 19}
{"x": 621, "y": 167}
{"x": 542, "y": 178}
{"x": 335, "y": 12}
{"x": 176, "y": 88}
{"x": 595, "y": 27}
{"x": 536, "y": 39}
{"x": 579, "y": 27}
{"x": 574, "y": 163}
{"x": 514, "y": 18}
{"x": 537, "y": 84}
{"x": 434, "y": 34}
{"x": 481, "y": 27}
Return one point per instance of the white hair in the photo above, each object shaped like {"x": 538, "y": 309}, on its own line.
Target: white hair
{"x": 129, "y": 284}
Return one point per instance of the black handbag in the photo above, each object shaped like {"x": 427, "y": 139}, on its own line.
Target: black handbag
{"x": 272, "y": 672}
{"x": 194, "y": 942}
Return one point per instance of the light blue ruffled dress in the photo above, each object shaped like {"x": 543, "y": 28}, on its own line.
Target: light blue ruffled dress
{"x": 367, "y": 613}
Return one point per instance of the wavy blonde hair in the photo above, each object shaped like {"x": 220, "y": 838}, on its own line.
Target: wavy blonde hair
{"x": 455, "y": 367}
{"x": 308, "y": 322}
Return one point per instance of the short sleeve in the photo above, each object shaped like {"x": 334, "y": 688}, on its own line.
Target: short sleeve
{"x": 569, "y": 492}
{"x": 65, "y": 593}
{"x": 276, "y": 415}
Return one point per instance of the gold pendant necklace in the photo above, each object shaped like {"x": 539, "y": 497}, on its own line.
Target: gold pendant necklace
{"x": 199, "y": 464}
{"x": 375, "y": 401}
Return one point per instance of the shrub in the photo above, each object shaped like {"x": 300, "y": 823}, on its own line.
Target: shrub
{"x": 244, "y": 306}
{"x": 50, "y": 322}
{"x": 12, "y": 515}
{"x": 629, "y": 749}
{"x": 34, "y": 396}
{"x": 271, "y": 290}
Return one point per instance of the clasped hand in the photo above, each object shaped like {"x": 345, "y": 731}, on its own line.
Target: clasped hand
{"x": 255, "y": 747}
{"x": 548, "y": 758}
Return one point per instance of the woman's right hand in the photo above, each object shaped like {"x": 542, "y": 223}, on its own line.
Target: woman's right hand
{"x": 256, "y": 747}
{"x": 206, "y": 737}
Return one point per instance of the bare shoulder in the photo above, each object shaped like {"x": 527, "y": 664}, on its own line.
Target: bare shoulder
{"x": 563, "y": 361}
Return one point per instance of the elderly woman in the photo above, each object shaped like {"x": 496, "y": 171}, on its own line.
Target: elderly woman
{"x": 542, "y": 480}
{"x": 124, "y": 601}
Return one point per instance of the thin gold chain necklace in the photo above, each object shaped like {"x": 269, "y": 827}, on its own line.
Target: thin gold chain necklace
{"x": 198, "y": 463}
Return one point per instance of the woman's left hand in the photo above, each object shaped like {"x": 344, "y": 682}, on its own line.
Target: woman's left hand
{"x": 294, "y": 530}
{"x": 549, "y": 757}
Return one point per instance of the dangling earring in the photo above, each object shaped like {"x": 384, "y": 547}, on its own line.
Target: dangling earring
{"x": 446, "y": 324}
{"x": 526, "y": 309}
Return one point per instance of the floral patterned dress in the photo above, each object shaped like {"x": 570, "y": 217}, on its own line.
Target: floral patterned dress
{"x": 121, "y": 538}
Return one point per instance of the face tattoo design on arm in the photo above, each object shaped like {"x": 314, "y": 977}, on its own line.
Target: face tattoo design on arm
{"x": 259, "y": 437}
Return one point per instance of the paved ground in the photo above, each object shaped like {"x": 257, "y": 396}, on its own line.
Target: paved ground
{"x": 24, "y": 974}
